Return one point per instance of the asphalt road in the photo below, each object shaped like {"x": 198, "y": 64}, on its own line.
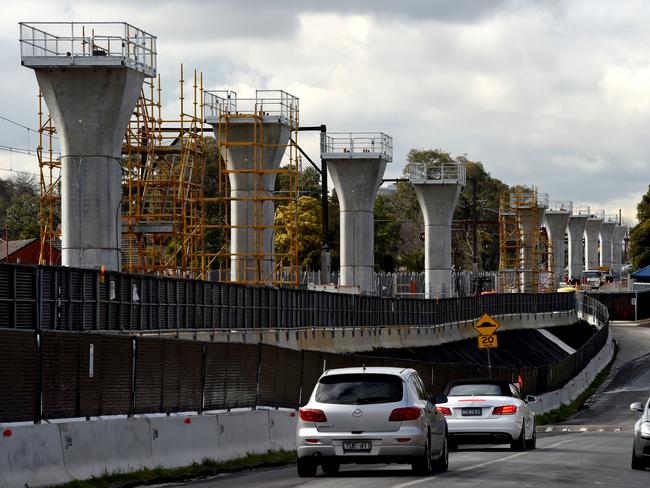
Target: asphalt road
{"x": 576, "y": 459}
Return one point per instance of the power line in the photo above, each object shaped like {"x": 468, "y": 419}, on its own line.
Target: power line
{"x": 20, "y": 172}
{"x": 29, "y": 129}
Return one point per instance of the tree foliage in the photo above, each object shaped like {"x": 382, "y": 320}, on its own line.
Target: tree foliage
{"x": 306, "y": 228}
{"x": 640, "y": 234}
{"x": 19, "y": 207}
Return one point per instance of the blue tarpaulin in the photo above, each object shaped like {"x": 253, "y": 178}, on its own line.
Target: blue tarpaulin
{"x": 642, "y": 275}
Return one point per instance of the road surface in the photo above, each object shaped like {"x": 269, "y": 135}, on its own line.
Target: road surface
{"x": 599, "y": 456}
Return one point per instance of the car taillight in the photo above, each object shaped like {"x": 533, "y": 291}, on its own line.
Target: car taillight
{"x": 402, "y": 414}
{"x": 444, "y": 410}
{"x": 312, "y": 415}
{"x": 505, "y": 410}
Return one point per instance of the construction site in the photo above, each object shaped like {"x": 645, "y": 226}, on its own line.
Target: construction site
{"x": 161, "y": 215}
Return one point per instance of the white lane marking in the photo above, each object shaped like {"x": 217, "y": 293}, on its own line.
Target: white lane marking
{"x": 476, "y": 466}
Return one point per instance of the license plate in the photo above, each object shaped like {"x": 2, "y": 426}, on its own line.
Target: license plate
{"x": 357, "y": 446}
{"x": 472, "y": 412}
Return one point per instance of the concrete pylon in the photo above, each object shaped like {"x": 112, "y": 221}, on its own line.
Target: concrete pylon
{"x": 253, "y": 137}
{"x": 437, "y": 186}
{"x": 620, "y": 231}
{"x": 90, "y": 88}
{"x": 356, "y": 163}
{"x": 556, "y": 222}
{"x": 576, "y": 232}
{"x": 606, "y": 238}
{"x": 592, "y": 233}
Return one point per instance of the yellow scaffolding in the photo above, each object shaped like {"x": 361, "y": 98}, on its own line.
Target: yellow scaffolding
{"x": 49, "y": 183}
{"x": 523, "y": 252}
{"x": 250, "y": 265}
{"x": 163, "y": 185}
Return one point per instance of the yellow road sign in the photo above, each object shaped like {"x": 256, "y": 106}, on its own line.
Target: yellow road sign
{"x": 487, "y": 341}
{"x": 486, "y": 325}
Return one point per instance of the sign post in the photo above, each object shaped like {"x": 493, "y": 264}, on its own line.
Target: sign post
{"x": 486, "y": 326}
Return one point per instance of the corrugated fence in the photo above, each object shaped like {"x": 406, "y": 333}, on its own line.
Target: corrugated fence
{"x": 49, "y": 374}
{"x": 58, "y": 298}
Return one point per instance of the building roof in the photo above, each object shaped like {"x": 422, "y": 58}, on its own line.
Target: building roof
{"x": 14, "y": 246}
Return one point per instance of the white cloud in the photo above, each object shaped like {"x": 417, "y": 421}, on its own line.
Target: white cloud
{"x": 552, "y": 94}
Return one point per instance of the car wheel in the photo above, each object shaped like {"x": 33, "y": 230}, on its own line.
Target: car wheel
{"x": 442, "y": 464}
{"x": 307, "y": 468}
{"x": 331, "y": 467}
{"x": 637, "y": 462}
{"x": 520, "y": 443}
{"x": 532, "y": 442}
{"x": 422, "y": 465}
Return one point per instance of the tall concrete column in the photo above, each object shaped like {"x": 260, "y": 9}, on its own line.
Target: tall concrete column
{"x": 252, "y": 143}
{"x": 620, "y": 231}
{"x": 576, "y": 232}
{"x": 90, "y": 88}
{"x": 556, "y": 222}
{"x": 606, "y": 238}
{"x": 437, "y": 186}
{"x": 592, "y": 233}
{"x": 356, "y": 163}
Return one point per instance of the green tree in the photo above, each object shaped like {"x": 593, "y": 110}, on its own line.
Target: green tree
{"x": 19, "y": 207}
{"x": 640, "y": 234}
{"x": 387, "y": 233}
{"x": 306, "y": 230}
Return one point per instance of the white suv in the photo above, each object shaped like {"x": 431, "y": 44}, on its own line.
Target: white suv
{"x": 371, "y": 415}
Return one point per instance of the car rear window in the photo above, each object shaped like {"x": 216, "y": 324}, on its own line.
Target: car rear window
{"x": 476, "y": 389}
{"x": 359, "y": 389}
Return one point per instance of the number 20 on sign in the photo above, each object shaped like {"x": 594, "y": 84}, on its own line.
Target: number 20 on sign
{"x": 487, "y": 342}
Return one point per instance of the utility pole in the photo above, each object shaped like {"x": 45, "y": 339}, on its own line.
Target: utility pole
{"x": 325, "y": 260}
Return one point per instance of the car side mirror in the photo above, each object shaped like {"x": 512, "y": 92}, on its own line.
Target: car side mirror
{"x": 531, "y": 399}
{"x": 437, "y": 399}
{"x": 637, "y": 407}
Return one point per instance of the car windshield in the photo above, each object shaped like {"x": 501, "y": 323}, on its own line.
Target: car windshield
{"x": 475, "y": 389}
{"x": 359, "y": 389}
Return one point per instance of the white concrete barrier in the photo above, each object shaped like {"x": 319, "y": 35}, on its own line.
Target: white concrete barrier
{"x": 31, "y": 455}
{"x": 181, "y": 441}
{"x": 242, "y": 433}
{"x": 282, "y": 428}
{"x": 106, "y": 446}
{"x": 577, "y": 385}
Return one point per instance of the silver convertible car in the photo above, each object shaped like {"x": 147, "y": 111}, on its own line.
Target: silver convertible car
{"x": 641, "y": 448}
{"x": 371, "y": 415}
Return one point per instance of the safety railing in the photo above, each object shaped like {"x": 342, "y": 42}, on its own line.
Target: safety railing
{"x": 437, "y": 172}
{"x": 560, "y": 206}
{"x": 267, "y": 103}
{"x": 105, "y": 41}
{"x": 581, "y": 210}
{"x": 596, "y": 214}
{"x": 357, "y": 144}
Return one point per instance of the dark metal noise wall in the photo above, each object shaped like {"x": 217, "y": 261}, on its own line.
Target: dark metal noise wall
{"x": 74, "y": 374}
{"x": 58, "y": 298}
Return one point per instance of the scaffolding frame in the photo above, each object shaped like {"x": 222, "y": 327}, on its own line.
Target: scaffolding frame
{"x": 49, "y": 184}
{"x": 224, "y": 110}
{"x": 163, "y": 176}
{"x": 523, "y": 250}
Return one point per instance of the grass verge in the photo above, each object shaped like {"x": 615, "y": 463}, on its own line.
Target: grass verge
{"x": 565, "y": 411}
{"x": 205, "y": 469}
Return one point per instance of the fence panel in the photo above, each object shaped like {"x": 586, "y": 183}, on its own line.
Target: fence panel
{"x": 19, "y": 376}
{"x": 59, "y": 366}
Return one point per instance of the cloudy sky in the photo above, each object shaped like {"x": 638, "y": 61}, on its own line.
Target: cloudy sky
{"x": 549, "y": 93}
